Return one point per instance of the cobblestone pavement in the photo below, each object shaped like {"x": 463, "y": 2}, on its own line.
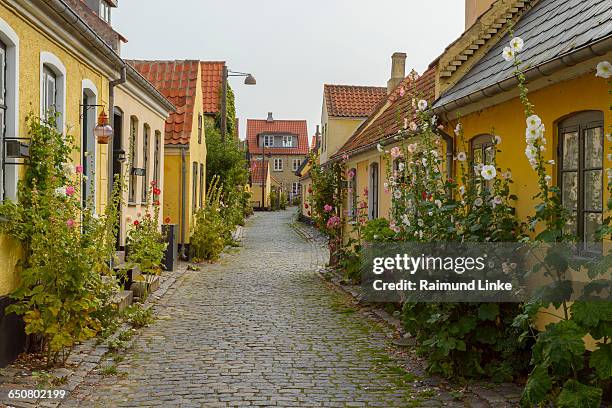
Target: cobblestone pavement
{"x": 259, "y": 329}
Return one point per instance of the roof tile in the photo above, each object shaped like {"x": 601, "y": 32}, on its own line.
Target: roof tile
{"x": 352, "y": 101}
{"x": 212, "y": 73}
{"x": 299, "y": 128}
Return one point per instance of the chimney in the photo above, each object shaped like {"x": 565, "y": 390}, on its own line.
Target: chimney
{"x": 475, "y": 9}
{"x": 318, "y": 131}
{"x": 398, "y": 70}
{"x": 270, "y": 118}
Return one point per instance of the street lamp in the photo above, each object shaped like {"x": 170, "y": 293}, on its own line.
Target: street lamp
{"x": 249, "y": 80}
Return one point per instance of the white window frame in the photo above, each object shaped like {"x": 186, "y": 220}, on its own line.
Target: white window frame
{"x": 278, "y": 161}
{"x": 296, "y": 164}
{"x": 53, "y": 63}
{"x": 89, "y": 86}
{"x": 105, "y": 11}
{"x": 268, "y": 141}
{"x": 287, "y": 141}
{"x": 295, "y": 188}
{"x": 8, "y": 180}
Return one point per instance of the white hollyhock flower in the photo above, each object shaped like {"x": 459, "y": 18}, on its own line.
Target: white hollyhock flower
{"x": 548, "y": 178}
{"x": 458, "y": 129}
{"x": 422, "y": 104}
{"x": 60, "y": 191}
{"x": 604, "y": 70}
{"x": 397, "y": 194}
{"x": 517, "y": 44}
{"x": 379, "y": 147}
{"x": 69, "y": 169}
{"x": 507, "y": 175}
{"x": 497, "y": 200}
{"x": 413, "y": 126}
{"x": 434, "y": 120}
{"x": 508, "y": 54}
{"x": 534, "y": 133}
{"x": 412, "y": 147}
{"x": 497, "y": 139}
{"x": 462, "y": 190}
{"x": 551, "y": 162}
{"x": 405, "y": 123}
{"x": 478, "y": 168}
{"x": 531, "y": 152}
{"x": 401, "y": 166}
{"x": 534, "y": 121}
{"x": 420, "y": 222}
{"x": 461, "y": 156}
{"x": 488, "y": 172}
{"x": 478, "y": 202}
{"x": 438, "y": 203}
{"x": 405, "y": 220}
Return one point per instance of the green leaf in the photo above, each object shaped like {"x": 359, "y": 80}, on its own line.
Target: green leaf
{"x": 537, "y": 387}
{"x": 589, "y": 314}
{"x": 578, "y": 395}
{"x": 488, "y": 311}
{"x": 561, "y": 346}
{"x": 601, "y": 361}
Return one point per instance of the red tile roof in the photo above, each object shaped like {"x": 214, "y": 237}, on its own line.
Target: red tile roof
{"x": 299, "y": 128}
{"x": 259, "y": 172}
{"x": 352, "y": 101}
{"x": 314, "y": 142}
{"x": 177, "y": 81}
{"x": 384, "y": 123}
{"x": 212, "y": 72}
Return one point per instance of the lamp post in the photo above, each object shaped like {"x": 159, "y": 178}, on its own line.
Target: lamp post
{"x": 249, "y": 80}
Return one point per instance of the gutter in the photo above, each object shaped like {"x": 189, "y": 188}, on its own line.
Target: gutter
{"x": 73, "y": 19}
{"x": 545, "y": 69}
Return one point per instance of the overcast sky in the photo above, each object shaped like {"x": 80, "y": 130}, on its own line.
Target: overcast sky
{"x": 292, "y": 47}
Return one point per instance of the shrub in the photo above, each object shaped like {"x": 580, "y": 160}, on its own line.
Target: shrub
{"x": 209, "y": 232}
{"x": 66, "y": 247}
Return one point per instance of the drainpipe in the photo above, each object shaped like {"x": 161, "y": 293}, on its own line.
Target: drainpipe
{"x": 183, "y": 200}
{"x": 111, "y": 114}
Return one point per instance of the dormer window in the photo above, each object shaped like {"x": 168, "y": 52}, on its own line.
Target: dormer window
{"x": 268, "y": 141}
{"x": 105, "y": 11}
{"x": 287, "y": 141}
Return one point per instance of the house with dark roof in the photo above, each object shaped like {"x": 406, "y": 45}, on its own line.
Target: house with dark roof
{"x": 184, "y": 139}
{"x": 345, "y": 107}
{"x": 284, "y": 143}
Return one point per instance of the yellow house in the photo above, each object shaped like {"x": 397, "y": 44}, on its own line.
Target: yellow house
{"x": 61, "y": 57}
{"x": 184, "y": 137}
{"x": 346, "y": 107}
{"x": 260, "y": 183}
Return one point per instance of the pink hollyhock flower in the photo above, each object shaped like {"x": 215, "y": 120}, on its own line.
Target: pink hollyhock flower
{"x": 70, "y": 223}
{"x": 333, "y": 222}
{"x": 365, "y": 191}
{"x": 327, "y": 208}
{"x": 79, "y": 169}
{"x": 396, "y": 152}
{"x": 350, "y": 174}
{"x": 153, "y": 183}
{"x": 70, "y": 191}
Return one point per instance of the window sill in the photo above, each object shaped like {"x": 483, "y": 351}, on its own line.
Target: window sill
{"x": 132, "y": 204}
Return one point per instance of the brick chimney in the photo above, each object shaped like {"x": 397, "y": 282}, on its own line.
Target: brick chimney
{"x": 270, "y": 118}
{"x": 398, "y": 70}
{"x": 475, "y": 9}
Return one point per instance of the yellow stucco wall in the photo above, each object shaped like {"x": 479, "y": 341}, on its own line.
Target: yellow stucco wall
{"x": 339, "y": 130}
{"x": 551, "y": 104}
{"x": 131, "y": 106}
{"x": 33, "y": 42}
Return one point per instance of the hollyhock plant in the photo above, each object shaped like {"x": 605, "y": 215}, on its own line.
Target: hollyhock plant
{"x": 328, "y": 208}
{"x": 70, "y": 190}
{"x": 79, "y": 169}
{"x": 604, "y": 70}
{"x": 396, "y": 152}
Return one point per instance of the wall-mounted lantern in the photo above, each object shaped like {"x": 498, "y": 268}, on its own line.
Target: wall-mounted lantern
{"x": 16, "y": 149}
{"x": 120, "y": 155}
{"x": 103, "y": 131}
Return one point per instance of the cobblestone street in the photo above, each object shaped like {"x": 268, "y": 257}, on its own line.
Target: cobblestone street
{"x": 259, "y": 329}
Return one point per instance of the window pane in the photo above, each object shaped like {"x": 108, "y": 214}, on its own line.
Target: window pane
{"x": 593, "y": 152}
{"x": 489, "y": 154}
{"x": 477, "y": 153}
{"x": 593, "y": 199}
{"x": 592, "y": 222}
{"x": 2, "y": 75}
{"x": 570, "y": 190}
{"x": 570, "y": 151}
{"x": 571, "y": 227}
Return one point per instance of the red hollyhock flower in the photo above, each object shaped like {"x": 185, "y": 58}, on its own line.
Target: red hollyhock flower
{"x": 153, "y": 183}
{"x": 136, "y": 223}
{"x": 156, "y": 202}
{"x": 156, "y": 191}
{"x": 424, "y": 195}
{"x": 305, "y": 205}
{"x": 309, "y": 190}
{"x": 167, "y": 220}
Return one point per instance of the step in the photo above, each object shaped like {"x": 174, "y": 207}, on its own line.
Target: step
{"x": 123, "y": 299}
{"x": 145, "y": 285}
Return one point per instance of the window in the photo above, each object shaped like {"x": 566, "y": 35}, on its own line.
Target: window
{"x": 202, "y": 172}
{"x": 132, "y": 158}
{"x": 88, "y": 143}
{"x": 296, "y": 164}
{"x": 194, "y": 184}
{"x": 324, "y": 147}
{"x": 49, "y": 93}
{"x": 268, "y": 141}
{"x": 157, "y": 157}
{"x": 295, "y": 188}
{"x": 278, "y": 164}
{"x": 146, "y": 131}
{"x": 3, "y": 103}
{"x": 200, "y": 127}
{"x": 287, "y": 141}
{"x": 352, "y": 193}
{"x": 581, "y": 178}
{"x": 105, "y": 11}
{"x": 482, "y": 153}
{"x": 52, "y": 89}
{"x": 373, "y": 193}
